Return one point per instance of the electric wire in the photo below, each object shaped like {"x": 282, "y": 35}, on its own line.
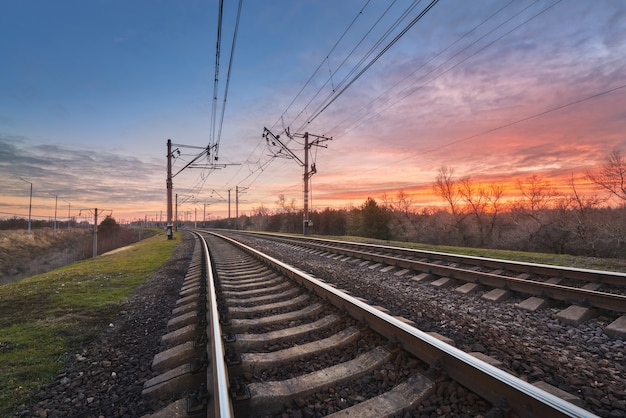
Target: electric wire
{"x": 396, "y": 38}
{"x": 371, "y": 50}
{"x": 322, "y": 63}
{"x": 230, "y": 66}
{"x": 321, "y": 88}
{"x": 427, "y": 62}
{"x": 214, "y": 141}
{"x": 410, "y": 90}
{"x": 262, "y": 167}
{"x": 218, "y": 44}
{"x": 376, "y": 58}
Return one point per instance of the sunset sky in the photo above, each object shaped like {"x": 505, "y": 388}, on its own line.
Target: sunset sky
{"x": 90, "y": 91}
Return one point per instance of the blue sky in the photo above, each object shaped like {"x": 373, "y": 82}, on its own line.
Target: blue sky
{"x": 90, "y": 91}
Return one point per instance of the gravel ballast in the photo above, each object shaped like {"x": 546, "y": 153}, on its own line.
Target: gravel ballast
{"x": 105, "y": 379}
{"x": 534, "y": 346}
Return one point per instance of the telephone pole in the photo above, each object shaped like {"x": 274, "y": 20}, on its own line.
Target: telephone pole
{"x": 169, "y": 189}
{"x": 30, "y": 204}
{"x": 307, "y": 176}
{"x": 95, "y": 233}
{"x": 95, "y": 227}
{"x": 308, "y": 170}
{"x": 195, "y": 162}
{"x": 237, "y": 191}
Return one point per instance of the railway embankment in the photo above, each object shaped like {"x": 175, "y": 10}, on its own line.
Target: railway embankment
{"x": 24, "y": 254}
{"x": 78, "y": 340}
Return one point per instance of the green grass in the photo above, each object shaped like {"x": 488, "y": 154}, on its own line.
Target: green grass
{"x": 44, "y": 317}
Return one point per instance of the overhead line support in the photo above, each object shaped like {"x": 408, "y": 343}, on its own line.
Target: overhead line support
{"x": 308, "y": 170}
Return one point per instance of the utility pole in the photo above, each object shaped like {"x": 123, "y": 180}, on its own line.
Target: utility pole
{"x": 95, "y": 233}
{"x": 56, "y": 201}
{"x": 237, "y": 191}
{"x": 305, "y": 223}
{"x": 30, "y": 204}
{"x": 229, "y": 208}
{"x": 204, "y": 216}
{"x": 169, "y": 189}
{"x": 95, "y": 227}
{"x": 308, "y": 171}
{"x": 194, "y": 163}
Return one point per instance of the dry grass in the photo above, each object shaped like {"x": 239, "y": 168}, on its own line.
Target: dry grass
{"x": 23, "y": 254}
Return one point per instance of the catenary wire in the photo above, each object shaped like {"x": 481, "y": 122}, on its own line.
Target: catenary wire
{"x": 218, "y": 44}
{"x": 392, "y": 97}
{"x": 322, "y": 63}
{"x": 230, "y": 66}
{"x": 410, "y": 90}
{"x": 321, "y": 88}
{"x": 376, "y": 58}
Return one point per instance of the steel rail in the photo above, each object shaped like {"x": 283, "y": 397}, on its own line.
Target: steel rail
{"x": 487, "y": 381}
{"x": 217, "y": 375}
{"x": 603, "y": 300}
{"x": 599, "y": 276}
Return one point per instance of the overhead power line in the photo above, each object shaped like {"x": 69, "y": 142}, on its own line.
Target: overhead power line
{"x": 218, "y": 45}
{"x": 230, "y": 66}
{"x": 215, "y": 126}
{"x": 392, "y": 99}
{"x": 376, "y": 58}
{"x": 327, "y": 102}
{"x": 506, "y": 125}
{"x": 322, "y": 63}
{"x": 407, "y": 91}
{"x": 347, "y": 57}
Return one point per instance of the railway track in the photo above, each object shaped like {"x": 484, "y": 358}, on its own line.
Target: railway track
{"x": 252, "y": 336}
{"x": 588, "y": 290}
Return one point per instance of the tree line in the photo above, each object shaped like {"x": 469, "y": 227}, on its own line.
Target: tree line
{"x": 478, "y": 215}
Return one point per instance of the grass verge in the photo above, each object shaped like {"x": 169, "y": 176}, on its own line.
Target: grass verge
{"x": 44, "y": 317}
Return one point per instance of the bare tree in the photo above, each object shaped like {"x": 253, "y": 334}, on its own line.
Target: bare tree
{"x": 446, "y": 187}
{"x": 484, "y": 204}
{"x": 583, "y": 208}
{"x": 537, "y": 195}
{"x": 284, "y": 206}
{"x": 494, "y": 197}
{"x": 611, "y": 176}
{"x": 474, "y": 197}
{"x": 401, "y": 208}
{"x": 260, "y": 217}
{"x": 534, "y": 214}
{"x": 404, "y": 202}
